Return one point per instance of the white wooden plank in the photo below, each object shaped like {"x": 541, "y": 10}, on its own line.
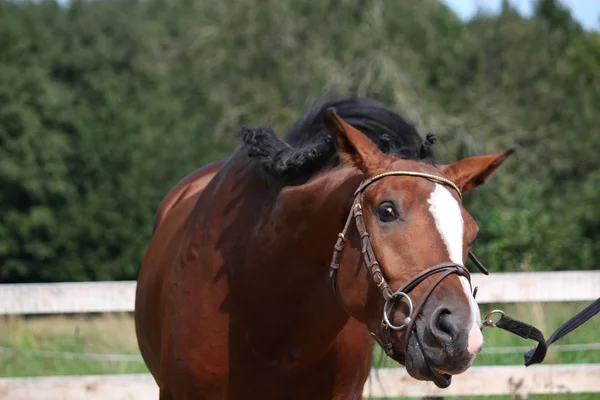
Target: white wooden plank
{"x": 489, "y": 380}
{"x": 68, "y": 297}
{"x": 93, "y": 387}
{"x": 525, "y": 287}
{"x": 48, "y": 298}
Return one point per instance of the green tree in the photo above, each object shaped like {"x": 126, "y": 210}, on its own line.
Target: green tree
{"x": 105, "y": 105}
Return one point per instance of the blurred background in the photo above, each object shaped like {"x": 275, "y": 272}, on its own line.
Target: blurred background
{"x": 106, "y": 104}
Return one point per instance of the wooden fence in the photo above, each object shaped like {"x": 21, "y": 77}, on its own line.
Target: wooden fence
{"x": 64, "y": 298}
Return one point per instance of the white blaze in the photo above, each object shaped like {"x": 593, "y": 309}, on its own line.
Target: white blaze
{"x": 450, "y": 225}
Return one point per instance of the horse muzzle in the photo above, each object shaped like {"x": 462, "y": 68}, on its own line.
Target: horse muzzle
{"x": 441, "y": 346}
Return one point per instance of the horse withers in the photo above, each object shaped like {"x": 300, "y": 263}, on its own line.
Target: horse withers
{"x": 245, "y": 293}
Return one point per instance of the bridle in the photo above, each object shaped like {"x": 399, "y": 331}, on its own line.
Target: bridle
{"x": 442, "y": 270}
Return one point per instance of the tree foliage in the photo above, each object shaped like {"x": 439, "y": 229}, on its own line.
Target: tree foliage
{"x": 104, "y": 105}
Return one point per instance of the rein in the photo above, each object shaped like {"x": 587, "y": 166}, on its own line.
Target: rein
{"x": 524, "y": 330}
{"x": 537, "y": 354}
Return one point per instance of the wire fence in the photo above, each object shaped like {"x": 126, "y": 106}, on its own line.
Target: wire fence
{"x": 110, "y": 297}
{"x": 137, "y": 358}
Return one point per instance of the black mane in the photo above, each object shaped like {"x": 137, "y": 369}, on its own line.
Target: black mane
{"x": 309, "y": 147}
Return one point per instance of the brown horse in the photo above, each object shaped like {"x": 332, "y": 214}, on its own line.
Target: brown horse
{"x": 238, "y": 296}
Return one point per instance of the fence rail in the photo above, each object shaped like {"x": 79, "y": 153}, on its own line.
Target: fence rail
{"x": 383, "y": 382}
{"x": 90, "y": 297}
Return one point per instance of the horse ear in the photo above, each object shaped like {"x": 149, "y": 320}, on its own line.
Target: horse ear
{"x": 474, "y": 171}
{"x": 354, "y": 147}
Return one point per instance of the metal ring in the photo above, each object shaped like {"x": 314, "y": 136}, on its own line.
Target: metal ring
{"x": 487, "y": 322}
{"x": 406, "y": 320}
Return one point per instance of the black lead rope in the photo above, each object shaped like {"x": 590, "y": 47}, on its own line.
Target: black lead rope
{"x": 526, "y": 331}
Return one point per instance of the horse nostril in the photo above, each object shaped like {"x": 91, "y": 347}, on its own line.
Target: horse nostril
{"x": 443, "y": 325}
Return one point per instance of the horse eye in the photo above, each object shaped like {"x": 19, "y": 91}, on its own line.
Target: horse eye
{"x": 387, "y": 212}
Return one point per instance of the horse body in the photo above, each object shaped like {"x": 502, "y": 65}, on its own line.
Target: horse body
{"x": 234, "y": 299}
{"x": 266, "y": 336}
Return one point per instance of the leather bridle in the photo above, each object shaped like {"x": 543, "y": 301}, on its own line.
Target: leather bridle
{"x": 391, "y": 298}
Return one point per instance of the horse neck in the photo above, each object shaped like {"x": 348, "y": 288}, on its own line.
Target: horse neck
{"x": 282, "y": 284}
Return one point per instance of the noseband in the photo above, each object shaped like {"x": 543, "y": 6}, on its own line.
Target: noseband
{"x": 391, "y": 298}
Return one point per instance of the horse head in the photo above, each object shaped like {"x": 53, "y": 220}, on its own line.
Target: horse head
{"x": 408, "y": 227}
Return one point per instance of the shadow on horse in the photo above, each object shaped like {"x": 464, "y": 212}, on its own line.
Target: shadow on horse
{"x": 270, "y": 273}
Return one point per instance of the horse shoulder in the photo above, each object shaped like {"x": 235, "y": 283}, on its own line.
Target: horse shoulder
{"x": 191, "y": 185}
{"x": 170, "y": 223}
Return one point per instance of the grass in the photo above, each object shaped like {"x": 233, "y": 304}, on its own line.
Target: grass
{"x": 114, "y": 334}
{"x": 104, "y": 334}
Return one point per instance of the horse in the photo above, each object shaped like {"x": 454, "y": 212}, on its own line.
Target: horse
{"x": 269, "y": 273}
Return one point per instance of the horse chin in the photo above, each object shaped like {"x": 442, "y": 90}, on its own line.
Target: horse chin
{"x": 418, "y": 367}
